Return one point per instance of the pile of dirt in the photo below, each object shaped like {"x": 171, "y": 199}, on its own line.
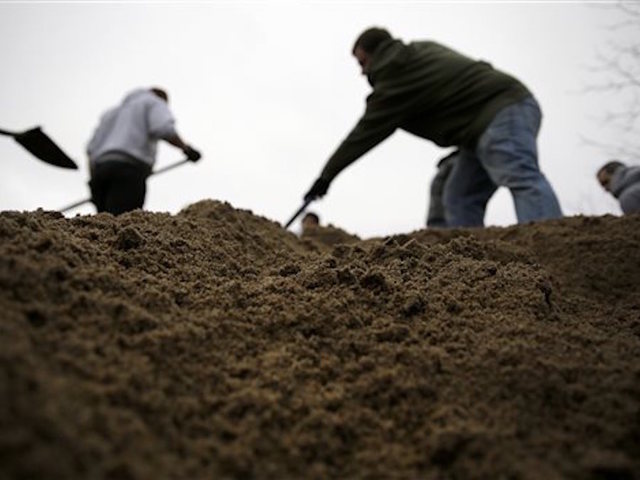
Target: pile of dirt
{"x": 214, "y": 344}
{"x": 326, "y": 236}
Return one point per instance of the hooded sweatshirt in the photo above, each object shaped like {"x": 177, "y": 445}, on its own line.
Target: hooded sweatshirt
{"x": 133, "y": 127}
{"x": 431, "y": 91}
{"x": 625, "y": 186}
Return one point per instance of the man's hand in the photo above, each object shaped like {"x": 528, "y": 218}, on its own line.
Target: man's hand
{"x": 192, "y": 154}
{"x": 318, "y": 189}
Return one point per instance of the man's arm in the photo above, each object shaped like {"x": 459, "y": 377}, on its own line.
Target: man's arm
{"x": 376, "y": 125}
{"x": 162, "y": 125}
{"x": 361, "y": 139}
{"x": 191, "y": 153}
{"x": 176, "y": 141}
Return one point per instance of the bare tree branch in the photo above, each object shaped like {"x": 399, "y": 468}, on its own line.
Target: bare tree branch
{"x": 613, "y": 151}
{"x": 617, "y": 75}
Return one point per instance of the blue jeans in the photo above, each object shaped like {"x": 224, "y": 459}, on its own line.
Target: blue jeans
{"x": 506, "y": 155}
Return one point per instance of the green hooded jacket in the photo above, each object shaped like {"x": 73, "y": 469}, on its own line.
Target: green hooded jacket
{"x": 431, "y": 91}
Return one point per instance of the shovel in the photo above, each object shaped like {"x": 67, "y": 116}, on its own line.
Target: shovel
{"x": 297, "y": 214}
{"x": 40, "y": 145}
{"x": 160, "y": 170}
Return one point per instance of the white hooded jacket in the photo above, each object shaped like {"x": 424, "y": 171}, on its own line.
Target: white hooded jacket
{"x": 133, "y": 127}
{"x": 625, "y": 186}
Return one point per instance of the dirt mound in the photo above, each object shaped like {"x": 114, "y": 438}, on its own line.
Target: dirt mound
{"x": 327, "y": 236}
{"x": 214, "y": 344}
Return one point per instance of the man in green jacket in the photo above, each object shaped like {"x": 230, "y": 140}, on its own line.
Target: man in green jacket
{"x": 438, "y": 94}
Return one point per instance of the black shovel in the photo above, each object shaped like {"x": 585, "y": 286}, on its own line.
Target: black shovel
{"x": 40, "y": 145}
{"x": 160, "y": 170}
{"x": 297, "y": 214}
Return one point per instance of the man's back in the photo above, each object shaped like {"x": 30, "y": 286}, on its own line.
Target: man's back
{"x": 447, "y": 97}
{"x": 133, "y": 127}
{"x": 431, "y": 91}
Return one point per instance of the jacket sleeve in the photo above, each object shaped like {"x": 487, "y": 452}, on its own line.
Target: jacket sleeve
{"x": 378, "y": 122}
{"x": 630, "y": 199}
{"x": 160, "y": 120}
{"x": 105, "y": 125}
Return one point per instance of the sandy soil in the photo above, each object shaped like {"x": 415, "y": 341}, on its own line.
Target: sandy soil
{"x": 214, "y": 344}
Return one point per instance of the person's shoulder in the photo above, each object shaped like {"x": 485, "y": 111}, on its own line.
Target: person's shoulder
{"x": 150, "y": 97}
{"x": 142, "y": 95}
{"x": 632, "y": 176}
{"x": 135, "y": 95}
{"x": 630, "y": 199}
{"x": 423, "y": 43}
{"x": 139, "y": 99}
{"x": 426, "y": 45}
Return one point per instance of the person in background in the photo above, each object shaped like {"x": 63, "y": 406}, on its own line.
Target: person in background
{"x": 122, "y": 150}
{"x": 310, "y": 223}
{"x": 327, "y": 235}
{"x": 436, "y": 216}
{"x": 438, "y": 94}
{"x": 622, "y": 182}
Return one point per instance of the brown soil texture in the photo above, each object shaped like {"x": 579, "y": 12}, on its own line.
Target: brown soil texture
{"x": 214, "y": 344}
{"x": 328, "y": 236}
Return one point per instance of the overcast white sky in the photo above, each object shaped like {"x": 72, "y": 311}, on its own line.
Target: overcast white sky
{"x": 267, "y": 90}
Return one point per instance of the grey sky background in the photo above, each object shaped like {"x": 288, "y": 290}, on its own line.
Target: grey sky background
{"x": 267, "y": 90}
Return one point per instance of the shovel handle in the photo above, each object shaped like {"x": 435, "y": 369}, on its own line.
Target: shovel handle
{"x": 74, "y": 205}
{"x": 169, "y": 167}
{"x": 297, "y": 214}
{"x": 5, "y": 132}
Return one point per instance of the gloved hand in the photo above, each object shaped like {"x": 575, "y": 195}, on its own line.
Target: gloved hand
{"x": 319, "y": 188}
{"x": 192, "y": 154}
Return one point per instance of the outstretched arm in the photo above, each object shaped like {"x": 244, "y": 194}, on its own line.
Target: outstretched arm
{"x": 376, "y": 125}
{"x": 176, "y": 141}
{"x": 191, "y": 153}
{"x": 162, "y": 125}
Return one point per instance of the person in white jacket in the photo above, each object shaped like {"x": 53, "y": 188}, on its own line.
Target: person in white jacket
{"x": 623, "y": 182}
{"x": 123, "y": 148}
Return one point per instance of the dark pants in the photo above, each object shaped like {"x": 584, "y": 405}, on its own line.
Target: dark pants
{"x": 119, "y": 186}
{"x": 436, "y": 214}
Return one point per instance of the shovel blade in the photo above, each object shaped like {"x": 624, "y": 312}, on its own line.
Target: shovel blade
{"x": 41, "y": 146}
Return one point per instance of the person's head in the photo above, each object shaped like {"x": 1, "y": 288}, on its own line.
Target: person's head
{"x": 160, "y": 93}
{"x": 310, "y": 221}
{"x": 606, "y": 172}
{"x": 366, "y": 44}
